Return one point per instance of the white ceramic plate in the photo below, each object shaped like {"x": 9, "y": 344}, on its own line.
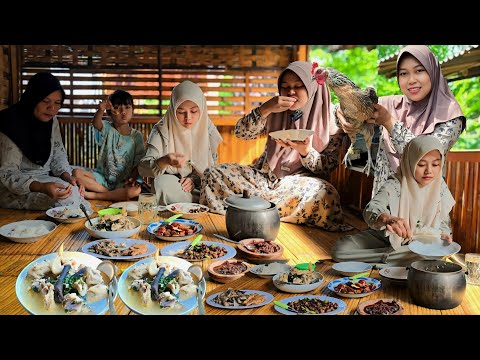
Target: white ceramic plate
{"x": 341, "y": 304}
{"x": 67, "y": 214}
{"x": 291, "y": 134}
{"x": 434, "y": 250}
{"x": 132, "y": 299}
{"x": 185, "y": 208}
{"x": 258, "y": 270}
{"x": 333, "y": 284}
{"x": 268, "y": 299}
{"x": 27, "y": 226}
{"x": 398, "y": 273}
{"x": 151, "y": 248}
{"x": 33, "y": 303}
{"x": 350, "y": 268}
{"x": 153, "y": 227}
{"x": 173, "y": 249}
{"x": 130, "y": 205}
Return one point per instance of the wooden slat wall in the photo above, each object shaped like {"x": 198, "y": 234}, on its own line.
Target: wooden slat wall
{"x": 5, "y": 76}
{"x": 229, "y": 94}
{"x": 463, "y": 178}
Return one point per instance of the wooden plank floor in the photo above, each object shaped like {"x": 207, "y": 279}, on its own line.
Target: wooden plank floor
{"x": 301, "y": 243}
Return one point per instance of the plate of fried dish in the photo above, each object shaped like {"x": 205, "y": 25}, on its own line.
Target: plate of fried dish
{"x": 119, "y": 249}
{"x": 160, "y": 285}
{"x": 239, "y": 299}
{"x": 202, "y": 251}
{"x": 311, "y": 305}
{"x": 356, "y": 288}
{"x": 180, "y": 229}
{"x": 82, "y": 290}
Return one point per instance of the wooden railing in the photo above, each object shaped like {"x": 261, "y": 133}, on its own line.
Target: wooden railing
{"x": 462, "y": 175}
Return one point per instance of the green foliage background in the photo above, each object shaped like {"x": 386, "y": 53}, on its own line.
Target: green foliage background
{"x": 360, "y": 65}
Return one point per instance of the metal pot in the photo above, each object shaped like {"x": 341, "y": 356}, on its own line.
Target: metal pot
{"x": 251, "y": 217}
{"x": 436, "y": 284}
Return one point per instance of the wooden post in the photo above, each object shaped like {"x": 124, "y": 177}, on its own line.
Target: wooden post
{"x": 302, "y": 53}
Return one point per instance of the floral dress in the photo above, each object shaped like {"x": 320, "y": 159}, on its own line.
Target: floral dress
{"x": 17, "y": 172}
{"x": 301, "y": 198}
{"x": 447, "y": 132}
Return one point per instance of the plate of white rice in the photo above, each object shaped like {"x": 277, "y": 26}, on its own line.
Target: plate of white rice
{"x": 27, "y": 231}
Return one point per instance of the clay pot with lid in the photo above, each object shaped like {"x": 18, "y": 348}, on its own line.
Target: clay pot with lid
{"x": 251, "y": 217}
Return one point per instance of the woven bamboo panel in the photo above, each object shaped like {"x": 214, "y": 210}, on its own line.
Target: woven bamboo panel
{"x": 77, "y": 134}
{"x": 4, "y": 76}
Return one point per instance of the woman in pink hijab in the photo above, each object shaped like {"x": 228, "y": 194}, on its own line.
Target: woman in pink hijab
{"x": 288, "y": 173}
{"x": 427, "y": 106}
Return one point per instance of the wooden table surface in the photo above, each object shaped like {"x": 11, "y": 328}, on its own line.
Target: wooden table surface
{"x": 301, "y": 243}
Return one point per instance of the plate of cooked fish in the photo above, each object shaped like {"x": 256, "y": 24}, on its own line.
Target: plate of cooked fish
{"x": 62, "y": 283}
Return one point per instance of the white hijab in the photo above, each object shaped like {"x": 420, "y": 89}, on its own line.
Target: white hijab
{"x": 419, "y": 203}
{"x": 194, "y": 143}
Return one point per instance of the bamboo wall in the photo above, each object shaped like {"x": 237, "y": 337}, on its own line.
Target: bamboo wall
{"x": 79, "y": 142}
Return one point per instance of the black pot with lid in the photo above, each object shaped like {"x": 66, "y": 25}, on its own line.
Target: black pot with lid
{"x": 251, "y": 217}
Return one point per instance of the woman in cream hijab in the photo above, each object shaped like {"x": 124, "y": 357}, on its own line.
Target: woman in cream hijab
{"x": 181, "y": 146}
{"x": 416, "y": 200}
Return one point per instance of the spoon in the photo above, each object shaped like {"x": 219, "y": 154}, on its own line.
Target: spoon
{"x": 193, "y": 243}
{"x": 107, "y": 270}
{"x": 82, "y": 207}
{"x": 197, "y": 276}
{"x": 225, "y": 238}
{"x": 171, "y": 219}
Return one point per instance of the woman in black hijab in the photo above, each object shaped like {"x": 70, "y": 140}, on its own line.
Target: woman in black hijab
{"x": 31, "y": 148}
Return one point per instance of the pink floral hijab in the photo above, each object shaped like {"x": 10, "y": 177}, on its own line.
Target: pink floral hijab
{"x": 315, "y": 116}
{"x": 421, "y": 117}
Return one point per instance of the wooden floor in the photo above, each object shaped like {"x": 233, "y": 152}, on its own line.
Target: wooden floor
{"x": 301, "y": 243}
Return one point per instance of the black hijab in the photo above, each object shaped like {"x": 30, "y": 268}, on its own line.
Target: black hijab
{"x": 31, "y": 135}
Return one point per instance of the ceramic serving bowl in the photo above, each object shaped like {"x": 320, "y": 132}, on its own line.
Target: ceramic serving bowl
{"x": 103, "y": 234}
{"x": 245, "y": 246}
{"x": 24, "y": 231}
{"x": 226, "y": 278}
{"x": 298, "y": 288}
{"x": 383, "y": 309}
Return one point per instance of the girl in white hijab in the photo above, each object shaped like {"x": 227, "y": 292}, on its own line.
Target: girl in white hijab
{"x": 416, "y": 200}
{"x": 181, "y": 146}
